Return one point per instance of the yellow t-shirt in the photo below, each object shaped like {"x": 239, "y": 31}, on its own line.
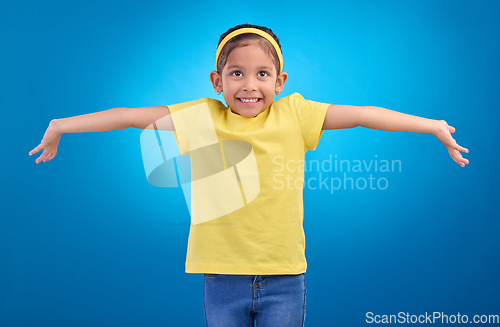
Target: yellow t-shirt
{"x": 247, "y": 184}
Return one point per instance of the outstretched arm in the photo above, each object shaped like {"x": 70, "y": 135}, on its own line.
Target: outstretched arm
{"x": 339, "y": 116}
{"x": 112, "y": 119}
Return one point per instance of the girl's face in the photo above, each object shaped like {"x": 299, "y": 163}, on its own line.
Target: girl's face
{"x": 248, "y": 80}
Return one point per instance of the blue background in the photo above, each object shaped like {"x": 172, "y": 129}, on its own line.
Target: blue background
{"x": 86, "y": 241}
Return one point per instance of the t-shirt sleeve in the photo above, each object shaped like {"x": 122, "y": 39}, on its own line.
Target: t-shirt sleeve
{"x": 193, "y": 125}
{"x": 310, "y": 116}
{"x": 182, "y": 124}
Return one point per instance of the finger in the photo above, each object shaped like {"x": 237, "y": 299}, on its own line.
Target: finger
{"x": 457, "y": 156}
{"x": 458, "y": 147}
{"x": 52, "y": 155}
{"x": 452, "y": 129}
{"x": 43, "y": 156}
{"x": 461, "y": 148}
{"x": 49, "y": 157}
{"x": 464, "y": 160}
{"x": 35, "y": 150}
{"x": 456, "y": 159}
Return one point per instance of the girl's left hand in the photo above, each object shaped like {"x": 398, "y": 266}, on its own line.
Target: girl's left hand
{"x": 443, "y": 133}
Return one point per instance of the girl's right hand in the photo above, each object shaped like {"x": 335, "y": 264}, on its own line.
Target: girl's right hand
{"x": 443, "y": 133}
{"x": 49, "y": 143}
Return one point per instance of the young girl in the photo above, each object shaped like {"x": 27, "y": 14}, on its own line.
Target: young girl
{"x": 246, "y": 233}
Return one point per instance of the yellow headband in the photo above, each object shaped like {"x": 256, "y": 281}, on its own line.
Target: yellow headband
{"x": 253, "y": 31}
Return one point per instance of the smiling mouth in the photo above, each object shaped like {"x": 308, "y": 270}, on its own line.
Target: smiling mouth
{"x": 249, "y": 100}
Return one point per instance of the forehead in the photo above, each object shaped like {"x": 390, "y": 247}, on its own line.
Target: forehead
{"x": 249, "y": 55}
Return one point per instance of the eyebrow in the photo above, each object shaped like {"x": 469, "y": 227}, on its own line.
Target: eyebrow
{"x": 239, "y": 67}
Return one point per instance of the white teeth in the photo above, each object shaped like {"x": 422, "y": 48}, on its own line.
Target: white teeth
{"x": 249, "y": 100}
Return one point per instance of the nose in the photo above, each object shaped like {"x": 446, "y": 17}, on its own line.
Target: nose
{"x": 250, "y": 84}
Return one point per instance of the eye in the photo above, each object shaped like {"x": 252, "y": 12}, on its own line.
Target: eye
{"x": 236, "y": 73}
{"x": 263, "y": 73}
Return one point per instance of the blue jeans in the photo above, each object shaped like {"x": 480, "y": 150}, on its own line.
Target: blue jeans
{"x": 269, "y": 300}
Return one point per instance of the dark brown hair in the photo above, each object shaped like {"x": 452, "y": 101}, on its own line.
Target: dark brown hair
{"x": 243, "y": 40}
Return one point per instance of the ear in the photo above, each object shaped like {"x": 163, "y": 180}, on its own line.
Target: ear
{"x": 280, "y": 82}
{"x": 216, "y": 81}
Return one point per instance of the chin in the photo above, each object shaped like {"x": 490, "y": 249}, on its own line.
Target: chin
{"x": 251, "y": 113}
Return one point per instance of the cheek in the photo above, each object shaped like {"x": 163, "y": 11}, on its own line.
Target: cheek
{"x": 229, "y": 86}
{"x": 270, "y": 88}
{"x": 230, "y": 91}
